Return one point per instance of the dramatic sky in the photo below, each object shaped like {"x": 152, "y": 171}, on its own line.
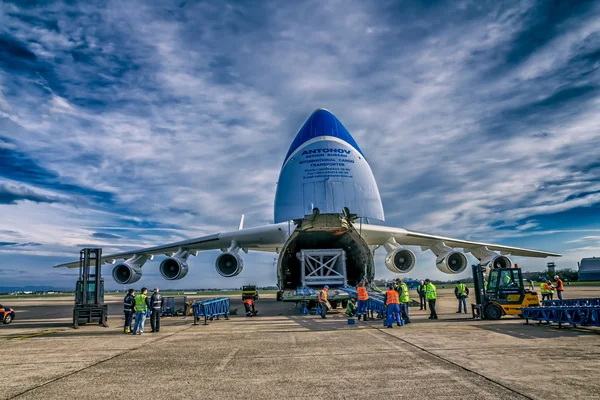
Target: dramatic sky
{"x": 134, "y": 123}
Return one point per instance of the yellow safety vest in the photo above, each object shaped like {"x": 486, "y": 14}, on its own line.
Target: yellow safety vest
{"x": 462, "y": 289}
{"x": 140, "y": 303}
{"x": 430, "y": 292}
{"x": 404, "y": 297}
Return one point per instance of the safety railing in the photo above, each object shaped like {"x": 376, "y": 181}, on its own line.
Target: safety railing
{"x": 375, "y": 304}
{"x": 573, "y": 315}
{"x": 572, "y": 302}
{"x": 211, "y": 309}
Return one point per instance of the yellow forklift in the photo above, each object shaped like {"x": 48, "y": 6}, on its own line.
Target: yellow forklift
{"x": 503, "y": 295}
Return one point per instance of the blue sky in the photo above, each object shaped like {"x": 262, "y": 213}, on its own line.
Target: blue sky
{"x": 129, "y": 124}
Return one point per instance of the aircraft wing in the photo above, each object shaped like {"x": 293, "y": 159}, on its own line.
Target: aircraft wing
{"x": 375, "y": 235}
{"x": 265, "y": 238}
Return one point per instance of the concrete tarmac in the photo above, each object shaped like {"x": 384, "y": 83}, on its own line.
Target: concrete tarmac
{"x": 281, "y": 354}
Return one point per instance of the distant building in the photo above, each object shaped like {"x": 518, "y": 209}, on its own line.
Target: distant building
{"x": 551, "y": 268}
{"x": 589, "y": 269}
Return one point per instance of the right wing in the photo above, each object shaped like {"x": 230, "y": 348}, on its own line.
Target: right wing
{"x": 265, "y": 238}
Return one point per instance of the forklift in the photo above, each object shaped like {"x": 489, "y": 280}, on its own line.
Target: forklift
{"x": 503, "y": 295}
{"x": 89, "y": 290}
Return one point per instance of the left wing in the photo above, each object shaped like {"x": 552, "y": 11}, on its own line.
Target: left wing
{"x": 376, "y": 235}
{"x": 264, "y": 238}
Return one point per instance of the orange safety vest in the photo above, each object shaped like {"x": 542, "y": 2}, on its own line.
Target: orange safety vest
{"x": 362, "y": 293}
{"x": 323, "y": 296}
{"x": 549, "y": 288}
{"x": 392, "y": 297}
{"x": 249, "y": 302}
{"x": 559, "y": 285}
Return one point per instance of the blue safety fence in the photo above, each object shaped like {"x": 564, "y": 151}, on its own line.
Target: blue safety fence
{"x": 375, "y": 304}
{"x": 590, "y": 302}
{"x": 211, "y": 309}
{"x": 575, "y": 315}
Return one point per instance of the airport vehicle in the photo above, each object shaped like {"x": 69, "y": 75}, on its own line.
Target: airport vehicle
{"x": 505, "y": 293}
{"x": 7, "y": 314}
{"x": 325, "y": 200}
{"x": 249, "y": 292}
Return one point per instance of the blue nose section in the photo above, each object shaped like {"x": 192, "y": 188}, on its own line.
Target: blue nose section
{"x": 325, "y": 169}
{"x": 321, "y": 123}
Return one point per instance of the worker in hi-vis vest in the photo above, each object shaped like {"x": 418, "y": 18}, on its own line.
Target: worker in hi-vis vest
{"x": 558, "y": 284}
{"x": 431, "y": 294}
{"x": 323, "y": 302}
{"x": 392, "y": 301}
{"x": 461, "y": 291}
{"x": 544, "y": 290}
{"x": 404, "y": 302}
{"x": 363, "y": 300}
{"x": 141, "y": 307}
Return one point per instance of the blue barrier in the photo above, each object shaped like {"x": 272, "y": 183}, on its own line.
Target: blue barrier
{"x": 210, "y": 309}
{"x": 374, "y": 304}
{"x": 582, "y": 315}
{"x": 590, "y": 302}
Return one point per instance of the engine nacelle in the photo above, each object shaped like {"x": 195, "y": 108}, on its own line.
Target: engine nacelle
{"x": 400, "y": 260}
{"x": 452, "y": 262}
{"x": 173, "y": 268}
{"x": 495, "y": 261}
{"x": 126, "y": 273}
{"x": 229, "y": 264}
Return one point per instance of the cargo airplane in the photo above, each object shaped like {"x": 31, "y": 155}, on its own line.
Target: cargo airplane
{"x": 325, "y": 202}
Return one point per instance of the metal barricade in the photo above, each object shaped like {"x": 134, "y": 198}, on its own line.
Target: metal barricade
{"x": 588, "y": 302}
{"x": 211, "y": 309}
{"x": 576, "y": 315}
{"x": 374, "y": 304}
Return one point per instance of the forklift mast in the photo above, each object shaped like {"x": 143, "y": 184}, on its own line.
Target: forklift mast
{"x": 479, "y": 284}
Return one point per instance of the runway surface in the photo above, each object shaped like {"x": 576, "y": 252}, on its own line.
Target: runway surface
{"x": 282, "y": 354}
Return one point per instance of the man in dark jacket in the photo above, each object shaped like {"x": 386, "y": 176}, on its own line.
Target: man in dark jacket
{"x": 128, "y": 309}
{"x": 156, "y": 303}
{"x": 422, "y": 298}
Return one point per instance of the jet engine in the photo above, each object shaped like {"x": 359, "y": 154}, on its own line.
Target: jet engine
{"x": 400, "y": 260}
{"x": 173, "y": 268}
{"x": 496, "y": 261}
{"x": 452, "y": 262}
{"x": 229, "y": 264}
{"x": 130, "y": 270}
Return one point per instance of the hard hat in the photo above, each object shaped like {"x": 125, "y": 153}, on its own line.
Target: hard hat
{"x": 543, "y": 279}
{"x": 325, "y": 287}
{"x": 555, "y": 276}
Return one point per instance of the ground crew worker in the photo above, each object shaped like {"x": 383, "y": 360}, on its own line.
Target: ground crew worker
{"x": 544, "y": 289}
{"x": 351, "y": 309}
{"x": 404, "y": 301}
{"x": 392, "y": 301}
{"x": 549, "y": 290}
{"x": 156, "y": 301}
{"x": 363, "y": 300}
{"x": 431, "y": 294}
{"x": 558, "y": 284}
{"x": 141, "y": 307}
{"x": 323, "y": 302}
{"x": 128, "y": 309}
{"x": 249, "y": 306}
{"x": 422, "y": 298}
{"x": 461, "y": 291}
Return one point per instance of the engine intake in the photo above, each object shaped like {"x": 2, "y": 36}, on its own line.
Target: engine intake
{"x": 125, "y": 273}
{"x": 400, "y": 260}
{"x": 173, "y": 268}
{"x": 229, "y": 264}
{"x": 452, "y": 262}
{"x": 496, "y": 261}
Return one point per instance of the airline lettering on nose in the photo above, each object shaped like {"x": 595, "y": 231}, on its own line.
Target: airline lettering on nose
{"x": 316, "y": 151}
